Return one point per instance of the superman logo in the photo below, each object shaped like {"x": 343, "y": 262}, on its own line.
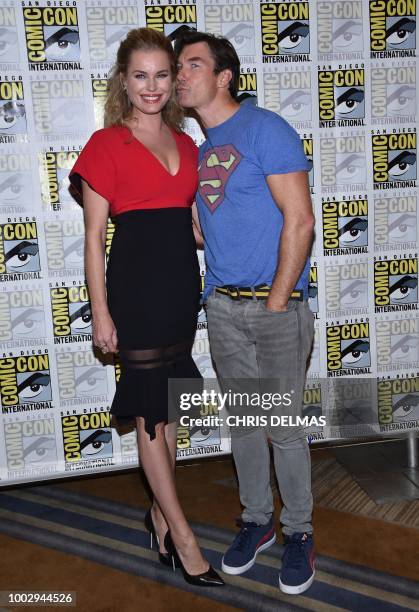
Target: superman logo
{"x": 215, "y": 170}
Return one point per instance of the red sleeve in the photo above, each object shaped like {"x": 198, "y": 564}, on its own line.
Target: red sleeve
{"x": 96, "y": 166}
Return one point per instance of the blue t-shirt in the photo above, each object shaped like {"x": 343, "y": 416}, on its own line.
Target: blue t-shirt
{"x": 240, "y": 220}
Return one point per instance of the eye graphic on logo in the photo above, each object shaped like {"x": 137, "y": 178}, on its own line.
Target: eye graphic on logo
{"x": 354, "y": 294}
{"x": 33, "y": 386}
{"x": 99, "y": 440}
{"x": 40, "y": 449}
{"x": 356, "y": 352}
{"x": 347, "y": 36}
{"x": 296, "y": 104}
{"x": 198, "y": 435}
{"x": 406, "y": 349}
{"x": 114, "y": 39}
{"x": 402, "y": 101}
{"x": 74, "y": 253}
{"x": 293, "y": 36}
{"x": 351, "y": 169}
{"x": 81, "y": 320}
{"x": 241, "y": 36}
{"x": 61, "y": 44}
{"x": 29, "y": 324}
{"x": 312, "y": 291}
{"x": 353, "y": 232}
{"x": 21, "y": 255}
{"x": 8, "y": 38}
{"x": 10, "y": 113}
{"x": 406, "y": 407}
{"x": 13, "y": 187}
{"x": 349, "y": 101}
{"x": 70, "y": 115}
{"x": 400, "y": 33}
{"x": 402, "y": 228}
{"x": 403, "y": 288}
{"x": 401, "y": 164}
{"x": 91, "y": 381}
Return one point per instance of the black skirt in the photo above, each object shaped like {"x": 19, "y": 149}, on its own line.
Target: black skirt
{"x": 153, "y": 290}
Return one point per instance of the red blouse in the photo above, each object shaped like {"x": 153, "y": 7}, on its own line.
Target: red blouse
{"x": 124, "y": 172}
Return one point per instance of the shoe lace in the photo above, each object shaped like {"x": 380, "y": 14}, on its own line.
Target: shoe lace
{"x": 294, "y": 552}
{"x": 243, "y": 537}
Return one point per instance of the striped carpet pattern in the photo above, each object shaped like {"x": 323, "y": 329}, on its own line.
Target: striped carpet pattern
{"x": 335, "y": 488}
{"x": 112, "y": 534}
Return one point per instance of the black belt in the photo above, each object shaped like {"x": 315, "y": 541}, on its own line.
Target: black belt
{"x": 260, "y": 292}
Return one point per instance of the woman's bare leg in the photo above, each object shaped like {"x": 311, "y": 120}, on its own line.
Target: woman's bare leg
{"x": 157, "y": 463}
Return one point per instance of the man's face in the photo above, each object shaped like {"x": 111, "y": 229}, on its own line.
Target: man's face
{"x": 197, "y": 84}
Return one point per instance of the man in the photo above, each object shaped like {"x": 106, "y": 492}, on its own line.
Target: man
{"x": 256, "y": 218}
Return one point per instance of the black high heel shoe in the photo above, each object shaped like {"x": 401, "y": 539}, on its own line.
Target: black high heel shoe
{"x": 164, "y": 558}
{"x": 208, "y": 578}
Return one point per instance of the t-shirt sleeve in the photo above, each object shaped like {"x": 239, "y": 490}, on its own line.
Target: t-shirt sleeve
{"x": 279, "y": 147}
{"x": 96, "y": 166}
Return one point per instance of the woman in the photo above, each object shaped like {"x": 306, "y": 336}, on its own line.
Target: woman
{"x": 143, "y": 170}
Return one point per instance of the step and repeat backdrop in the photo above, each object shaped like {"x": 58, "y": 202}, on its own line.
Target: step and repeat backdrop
{"x": 344, "y": 74}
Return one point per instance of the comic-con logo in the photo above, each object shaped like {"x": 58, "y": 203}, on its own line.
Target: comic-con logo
{"x": 313, "y": 368}
{"x": 312, "y": 401}
{"x": 129, "y": 448}
{"x": 215, "y": 170}
{"x": 346, "y": 289}
{"x": 54, "y": 167}
{"x": 172, "y": 19}
{"x": 313, "y": 289}
{"x": 25, "y": 383}
{"x": 396, "y": 284}
{"x": 9, "y": 40}
{"x": 19, "y": 251}
{"x": 393, "y": 94}
{"x": 71, "y": 314}
{"x": 307, "y": 140}
{"x": 15, "y": 182}
{"x": 285, "y": 32}
{"x": 345, "y": 226}
{"x": 398, "y": 402}
{"x": 22, "y": 317}
{"x": 392, "y": 28}
{"x": 395, "y": 223}
{"x": 353, "y": 407}
{"x": 234, "y": 21}
{"x": 12, "y": 111}
{"x": 339, "y": 30}
{"x": 64, "y": 241}
{"x": 100, "y": 91}
{"x": 248, "y": 87}
{"x": 341, "y": 97}
{"x": 348, "y": 349}
{"x": 397, "y": 343}
{"x": 394, "y": 160}
{"x": 52, "y": 37}
{"x": 289, "y": 94}
{"x": 106, "y": 27}
{"x": 197, "y": 436}
{"x": 343, "y": 163}
{"x": 87, "y": 439}
{"x": 81, "y": 377}
{"x": 31, "y": 446}
{"x": 59, "y": 107}
{"x": 110, "y": 230}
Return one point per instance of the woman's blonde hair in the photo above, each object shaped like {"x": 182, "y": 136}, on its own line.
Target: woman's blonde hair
{"x": 118, "y": 106}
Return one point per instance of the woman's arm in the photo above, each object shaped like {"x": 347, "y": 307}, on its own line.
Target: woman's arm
{"x": 96, "y": 210}
{"x": 197, "y": 228}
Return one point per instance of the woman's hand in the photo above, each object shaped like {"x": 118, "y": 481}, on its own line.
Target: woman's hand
{"x": 104, "y": 334}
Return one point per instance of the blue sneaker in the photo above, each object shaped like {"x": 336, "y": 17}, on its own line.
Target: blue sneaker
{"x": 250, "y": 541}
{"x": 297, "y": 571}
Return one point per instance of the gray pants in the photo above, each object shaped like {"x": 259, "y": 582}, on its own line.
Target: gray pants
{"x": 250, "y": 342}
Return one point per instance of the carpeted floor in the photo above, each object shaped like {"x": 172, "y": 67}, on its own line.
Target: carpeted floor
{"x": 86, "y": 535}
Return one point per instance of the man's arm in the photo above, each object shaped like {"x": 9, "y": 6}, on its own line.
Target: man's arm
{"x": 197, "y": 228}
{"x": 292, "y": 196}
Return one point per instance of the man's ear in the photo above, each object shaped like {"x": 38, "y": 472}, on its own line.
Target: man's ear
{"x": 224, "y": 78}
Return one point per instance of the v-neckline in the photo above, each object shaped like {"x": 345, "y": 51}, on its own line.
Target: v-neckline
{"x": 156, "y": 158}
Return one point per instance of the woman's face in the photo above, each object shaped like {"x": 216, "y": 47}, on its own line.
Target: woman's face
{"x": 148, "y": 81}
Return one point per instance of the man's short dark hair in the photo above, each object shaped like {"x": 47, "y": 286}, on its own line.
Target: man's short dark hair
{"x": 223, "y": 52}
